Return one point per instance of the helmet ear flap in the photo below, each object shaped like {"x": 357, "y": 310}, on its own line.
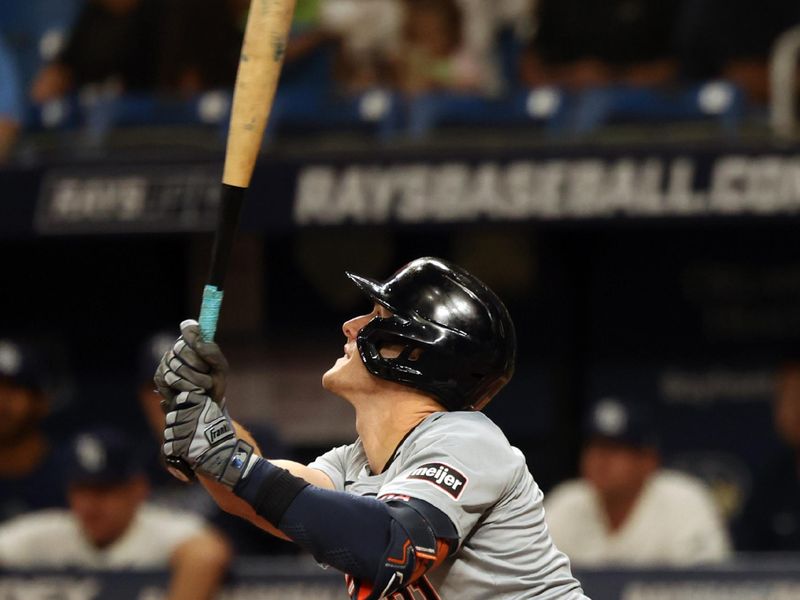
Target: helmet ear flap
{"x": 403, "y": 366}
{"x": 414, "y": 354}
{"x": 450, "y": 335}
{"x": 401, "y": 350}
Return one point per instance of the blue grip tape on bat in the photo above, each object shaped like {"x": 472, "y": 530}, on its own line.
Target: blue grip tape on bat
{"x": 209, "y": 312}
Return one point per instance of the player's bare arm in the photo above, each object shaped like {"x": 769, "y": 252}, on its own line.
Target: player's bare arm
{"x": 198, "y": 567}
{"x": 231, "y": 503}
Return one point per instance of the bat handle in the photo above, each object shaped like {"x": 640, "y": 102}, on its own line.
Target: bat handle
{"x": 209, "y": 312}
{"x": 231, "y": 201}
{"x": 209, "y": 315}
{"x": 231, "y": 207}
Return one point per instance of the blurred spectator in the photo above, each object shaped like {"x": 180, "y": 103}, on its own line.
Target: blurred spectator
{"x": 200, "y": 43}
{"x": 170, "y": 493}
{"x": 10, "y": 102}
{"x": 770, "y": 520}
{"x": 514, "y": 13}
{"x": 113, "y": 43}
{"x": 433, "y": 54}
{"x": 310, "y": 48}
{"x": 626, "y": 510}
{"x": 454, "y": 39}
{"x": 109, "y": 525}
{"x": 369, "y": 33}
{"x": 484, "y": 22}
{"x": 733, "y": 39}
{"x": 308, "y": 32}
{"x": 586, "y": 43}
{"x": 31, "y": 469}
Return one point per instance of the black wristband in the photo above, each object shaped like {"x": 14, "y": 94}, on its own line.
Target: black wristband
{"x": 269, "y": 490}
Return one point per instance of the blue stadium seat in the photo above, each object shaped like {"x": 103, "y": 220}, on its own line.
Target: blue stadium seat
{"x": 544, "y": 108}
{"x": 712, "y": 101}
{"x": 376, "y": 111}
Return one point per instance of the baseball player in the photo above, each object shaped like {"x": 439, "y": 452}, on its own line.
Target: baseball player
{"x": 32, "y": 462}
{"x": 430, "y": 501}
{"x": 110, "y": 525}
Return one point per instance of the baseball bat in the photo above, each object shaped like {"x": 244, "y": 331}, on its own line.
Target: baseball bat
{"x": 260, "y": 62}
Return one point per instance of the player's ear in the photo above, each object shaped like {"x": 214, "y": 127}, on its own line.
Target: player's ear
{"x": 391, "y": 350}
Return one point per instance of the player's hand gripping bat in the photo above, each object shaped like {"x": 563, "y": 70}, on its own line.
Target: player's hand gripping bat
{"x": 256, "y": 81}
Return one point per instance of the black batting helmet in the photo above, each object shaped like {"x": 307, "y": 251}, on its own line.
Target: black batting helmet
{"x": 456, "y": 337}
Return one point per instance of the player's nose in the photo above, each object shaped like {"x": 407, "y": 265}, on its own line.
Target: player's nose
{"x": 353, "y": 326}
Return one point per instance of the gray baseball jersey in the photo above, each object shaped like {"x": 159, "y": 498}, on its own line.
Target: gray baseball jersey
{"x": 461, "y": 463}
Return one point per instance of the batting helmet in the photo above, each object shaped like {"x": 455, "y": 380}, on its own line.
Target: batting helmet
{"x": 456, "y": 337}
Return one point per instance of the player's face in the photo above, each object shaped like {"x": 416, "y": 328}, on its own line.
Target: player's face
{"x": 105, "y": 512}
{"x": 348, "y": 374}
{"x": 20, "y": 412}
{"x": 616, "y": 470}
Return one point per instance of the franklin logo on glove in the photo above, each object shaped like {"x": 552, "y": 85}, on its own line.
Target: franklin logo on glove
{"x": 219, "y": 431}
{"x": 444, "y": 477}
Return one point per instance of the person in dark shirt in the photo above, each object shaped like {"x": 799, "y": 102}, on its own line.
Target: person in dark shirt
{"x": 583, "y": 43}
{"x": 31, "y": 469}
{"x": 733, "y": 39}
{"x": 170, "y": 47}
{"x": 770, "y": 520}
{"x": 114, "y": 42}
{"x": 199, "y": 44}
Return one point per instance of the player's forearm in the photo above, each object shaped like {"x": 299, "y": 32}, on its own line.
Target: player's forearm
{"x": 312, "y": 476}
{"x": 346, "y": 531}
{"x": 231, "y": 503}
{"x": 352, "y": 533}
{"x": 198, "y": 567}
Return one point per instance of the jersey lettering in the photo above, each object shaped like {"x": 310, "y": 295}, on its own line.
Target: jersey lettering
{"x": 444, "y": 477}
{"x": 419, "y": 590}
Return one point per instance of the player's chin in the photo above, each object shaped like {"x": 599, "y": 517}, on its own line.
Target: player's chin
{"x": 332, "y": 375}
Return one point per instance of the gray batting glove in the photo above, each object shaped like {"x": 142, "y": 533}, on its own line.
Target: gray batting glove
{"x": 199, "y": 431}
{"x": 192, "y": 365}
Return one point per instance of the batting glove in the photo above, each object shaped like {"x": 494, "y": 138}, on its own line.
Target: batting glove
{"x": 192, "y": 365}
{"x": 200, "y": 432}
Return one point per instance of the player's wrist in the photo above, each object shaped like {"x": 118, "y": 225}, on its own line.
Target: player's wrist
{"x": 269, "y": 489}
{"x": 227, "y": 463}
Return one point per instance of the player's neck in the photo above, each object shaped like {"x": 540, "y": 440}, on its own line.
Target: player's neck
{"x": 620, "y": 507}
{"x": 23, "y": 456}
{"x": 382, "y": 427}
{"x": 617, "y": 512}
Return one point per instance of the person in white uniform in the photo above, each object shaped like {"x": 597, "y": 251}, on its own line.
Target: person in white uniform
{"x": 110, "y": 526}
{"x": 627, "y": 510}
